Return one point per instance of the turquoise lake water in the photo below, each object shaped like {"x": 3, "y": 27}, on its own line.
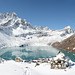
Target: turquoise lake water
{"x": 32, "y": 52}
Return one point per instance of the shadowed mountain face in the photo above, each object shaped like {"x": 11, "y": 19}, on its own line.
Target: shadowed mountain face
{"x": 67, "y": 44}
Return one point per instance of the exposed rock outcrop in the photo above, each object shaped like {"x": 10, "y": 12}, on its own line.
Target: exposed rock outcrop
{"x": 59, "y": 61}
{"x": 67, "y": 44}
{"x": 18, "y": 59}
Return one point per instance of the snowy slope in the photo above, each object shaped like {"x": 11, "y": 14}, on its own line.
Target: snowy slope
{"x": 16, "y": 31}
{"x": 20, "y": 68}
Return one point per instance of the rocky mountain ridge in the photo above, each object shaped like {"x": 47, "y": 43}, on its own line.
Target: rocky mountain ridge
{"x": 67, "y": 44}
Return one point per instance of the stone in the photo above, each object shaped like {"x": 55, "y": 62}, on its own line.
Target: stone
{"x": 18, "y": 59}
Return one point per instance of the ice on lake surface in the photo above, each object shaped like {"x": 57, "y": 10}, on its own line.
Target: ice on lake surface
{"x": 32, "y": 52}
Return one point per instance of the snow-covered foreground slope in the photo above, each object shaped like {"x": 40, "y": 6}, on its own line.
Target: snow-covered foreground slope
{"x": 20, "y": 68}
{"x": 40, "y": 66}
{"x": 16, "y": 31}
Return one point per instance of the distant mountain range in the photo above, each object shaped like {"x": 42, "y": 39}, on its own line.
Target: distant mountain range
{"x": 16, "y": 31}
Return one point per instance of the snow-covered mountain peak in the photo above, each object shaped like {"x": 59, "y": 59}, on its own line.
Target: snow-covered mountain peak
{"x": 12, "y": 20}
{"x": 68, "y": 27}
{"x": 8, "y": 15}
{"x": 68, "y": 30}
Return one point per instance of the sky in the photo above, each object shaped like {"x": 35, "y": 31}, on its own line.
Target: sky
{"x": 55, "y": 14}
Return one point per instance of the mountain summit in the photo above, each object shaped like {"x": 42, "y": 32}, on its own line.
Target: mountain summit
{"x": 68, "y": 27}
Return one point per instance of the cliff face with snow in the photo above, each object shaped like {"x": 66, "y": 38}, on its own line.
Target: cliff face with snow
{"x": 16, "y": 31}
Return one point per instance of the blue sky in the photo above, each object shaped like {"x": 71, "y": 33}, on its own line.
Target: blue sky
{"x": 56, "y": 14}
